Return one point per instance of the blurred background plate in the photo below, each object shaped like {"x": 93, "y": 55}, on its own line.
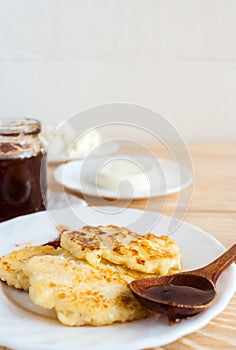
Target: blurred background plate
{"x": 74, "y": 178}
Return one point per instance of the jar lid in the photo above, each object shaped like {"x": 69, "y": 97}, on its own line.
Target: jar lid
{"x": 13, "y": 127}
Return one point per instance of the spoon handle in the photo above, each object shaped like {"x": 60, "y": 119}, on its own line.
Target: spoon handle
{"x": 216, "y": 267}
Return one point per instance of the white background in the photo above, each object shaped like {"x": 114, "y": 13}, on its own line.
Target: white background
{"x": 177, "y": 57}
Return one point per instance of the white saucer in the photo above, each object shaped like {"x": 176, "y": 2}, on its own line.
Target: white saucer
{"x": 79, "y": 176}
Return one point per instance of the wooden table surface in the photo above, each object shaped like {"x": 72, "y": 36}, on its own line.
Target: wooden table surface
{"x": 213, "y": 208}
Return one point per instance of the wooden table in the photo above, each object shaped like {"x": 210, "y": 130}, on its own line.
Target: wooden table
{"x": 213, "y": 209}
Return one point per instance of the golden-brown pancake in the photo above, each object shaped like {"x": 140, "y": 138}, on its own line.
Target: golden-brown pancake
{"x": 146, "y": 253}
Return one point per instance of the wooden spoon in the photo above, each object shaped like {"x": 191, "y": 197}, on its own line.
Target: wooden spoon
{"x": 183, "y": 294}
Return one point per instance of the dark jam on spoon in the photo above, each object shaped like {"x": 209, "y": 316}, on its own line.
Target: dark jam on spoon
{"x": 185, "y": 296}
{"x": 182, "y": 295}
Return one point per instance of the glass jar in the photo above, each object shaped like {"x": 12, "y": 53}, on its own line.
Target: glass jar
{"x": 23, "y": 182}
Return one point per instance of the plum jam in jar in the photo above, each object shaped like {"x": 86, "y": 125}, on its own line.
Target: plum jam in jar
{"x": 23, "y": 182}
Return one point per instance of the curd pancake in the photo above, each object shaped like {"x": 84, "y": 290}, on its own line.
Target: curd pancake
{"x": 11, "y": 265}
{"x": 146, "y": 253}
{"x": 81, "y": 294}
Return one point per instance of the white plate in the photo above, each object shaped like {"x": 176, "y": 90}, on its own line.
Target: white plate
{"x": 105, "y": 148}
{"x": 25, "y": 330}
{"x": 72, "y": 175}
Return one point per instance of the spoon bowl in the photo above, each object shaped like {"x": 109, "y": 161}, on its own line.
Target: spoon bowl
{"x": 183, "y": 294}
